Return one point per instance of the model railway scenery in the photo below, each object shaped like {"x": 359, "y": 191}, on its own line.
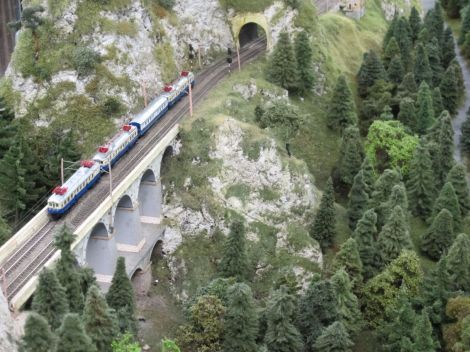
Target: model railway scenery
{"x": 303, "y": 185}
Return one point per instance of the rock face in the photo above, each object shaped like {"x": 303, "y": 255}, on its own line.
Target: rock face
{"x": 7, "y": 335}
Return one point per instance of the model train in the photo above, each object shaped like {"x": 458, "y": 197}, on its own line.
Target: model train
{"x": 65, "y": 196}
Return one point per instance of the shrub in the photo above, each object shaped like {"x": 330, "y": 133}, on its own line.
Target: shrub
{"x": 111, "y": 106}
{"x": 84, "y": 60}
{"x": 167, "y": 4}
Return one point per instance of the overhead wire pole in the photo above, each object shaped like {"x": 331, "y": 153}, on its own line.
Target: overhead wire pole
{"x": 111, "y": 196}
{"x": 190, "y": 99}
{"x": 61, "y": 171}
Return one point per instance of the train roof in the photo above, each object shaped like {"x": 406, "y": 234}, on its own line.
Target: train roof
{"x": 74, "y": 182}
{"x": 115, "y": 142}
{"x": 150, "y": 109}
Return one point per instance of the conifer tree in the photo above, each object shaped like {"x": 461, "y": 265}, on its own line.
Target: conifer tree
{"x": 371, "y": 70}
{"x": 396, "y": 72}
{"x": 460, "y": 81}
{"x": 447, "y": 48}
{"x": 421, "y": 185}
{"x": 435, "y": 22}
{"x": 425, "y": 111}
{"x": 465, "y": 26}
{"x": 7, "y": 128}
{"x": 397, "y": 197}
{"x": 99, "y": 321}
{"x": 465, "y": 138}
{"x": 303, "y": 55}
{"x": 408, "y": 86}
{"x": 407, "y": 114}
{"x": 440, "y": 235}
{"x": 351, "y": 155}
{"x": 72, "y": 336}
{"x": 450, "y": 90}
{"x": 447, "y": 199}
{"x": 4, "y": 230}
{"x": 437, "y": 101}
{"x": 365, "y": 238}
{"x": 334, "y": 338}
{"x": 434, "y": 57}
{"x": 422, "y": 332}
{"x": 120, "y": 297}
{"x": 394, "y": 236}
{"x": 347, "y": 302}
{"x": 396, "y": 330}
{"x": 341, "y": 109}
{"x": 37, "y": 335}
{"x": 390, "y": 31}
{"x": 392, "y": 50}
{"x": 458, "y": 263}
{"x": 402, "y": 33}
{"x": 368, "y": 175}
{"x": 281, "y": 334}
{"x": 317, "y": 310}
{"x": 382, "y": 190}
{"x": 348, "y": 258}
{"x": 358, "y": 200}
{"x": 457, "y": 176}
{"x": 234, "y": 262}
{"x": 50, "y": 299}
{"x": 415, "y": 23}
{"x": 282, "y": 67}
{"x": 67, "y": 271}
{"x": 445, "y": 147}
{"x": 422, "y": 70}
{"x": 240, "y": 320}
{"x": 323, "y": 229}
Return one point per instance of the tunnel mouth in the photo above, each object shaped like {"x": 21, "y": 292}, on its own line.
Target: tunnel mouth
{"x": 249, "y": 33}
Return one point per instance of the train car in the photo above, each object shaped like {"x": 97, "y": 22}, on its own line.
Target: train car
{"x": 116, "y": 146}
{"x": 147, "y": 117}
{"x": 175, "y": 91}
{"x": 65, "y": 196}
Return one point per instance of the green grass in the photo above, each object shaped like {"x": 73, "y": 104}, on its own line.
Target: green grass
{"x": 269, "y": 194}
{"x": 238, "y": 190}
{"x": 125, "y": 28}
{"x": 246, "y": 5}
{"x": 164, "y": 56}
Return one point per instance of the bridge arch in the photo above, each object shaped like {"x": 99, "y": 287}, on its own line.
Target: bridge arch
{"x": 127, "y": 227}
{"x": 149, "y": 197}
{"x": 243, "y": 26}
{"x": 101, "y": 251}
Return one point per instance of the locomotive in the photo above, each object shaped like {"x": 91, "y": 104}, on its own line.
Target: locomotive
{"x": 65, "y": 196}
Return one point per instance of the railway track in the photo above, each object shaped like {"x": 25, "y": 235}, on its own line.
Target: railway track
{"x": 23, "y": 264}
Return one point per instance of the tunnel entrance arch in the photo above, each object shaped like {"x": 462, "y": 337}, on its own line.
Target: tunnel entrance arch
{"x": 249, "y": 26}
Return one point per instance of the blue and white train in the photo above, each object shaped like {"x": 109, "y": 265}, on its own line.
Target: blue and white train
{"x": 66, "y": 195}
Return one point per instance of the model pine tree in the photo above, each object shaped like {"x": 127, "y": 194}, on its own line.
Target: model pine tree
{"x": 392, "y": 50}
{"x": 323, "y": 229}
{"x": 445, "y": 147}
{"x": 390, "y": 31}
{"x": 396, "y": 72}
{"x": 458, "y": 263}
{"x": 351, "y": 155}
{"x": 37, "y": 335}
{"x": 50, "y": 299}
{"x": 365, "y": 238}
{"x": 465, "y": 138}
{"x": 281, "y": 334}
{"x": 402, "y": 32}
{"x": 425, "y": 110}
{"x": 465, "y": 26}
{"x": 371, "y": 70}
{"x": 448, "y": 200}
{"x": 100, "y": 323}
{"x": 368, "y": 175}
{"x": 394, "y": 236}
{"x": 67, "y": 271}
{"x": 358, "y": 200}
{"x": 423, "y": 334}
{"x": 303, "y": 55}
{"x": 282, "y": 66}
{"x": 434, "y": 57}
{"x": 7, "y": 128}
{"x": 348, "y": 304}
{"x": 234, "y": 261}
{"x": 440, "y": 235}
{"x": 437, "y": 101}
{"x": 415, "y": 23}
{"x": 457, "y": 176}
{"x": 334, "y": 338}
{"x": 240, "y": 320}
{"x": 317, "y": 310}
{"x": 348, "y": 258}
{"x": 341, "y": 109}
{"x": 120, "y": 297}
{"x": 407, "y": 114}
{"x": 447, "y": 48}
{"x": 397, "y": 197}
{"x": 422, "y": 70}
{"x": 71, "y": 336}
{"x": 382, "y": 190}
{"x": 460, "y": 80}
{"x": 449, "y": 87}
{"x": 421, "y": 184}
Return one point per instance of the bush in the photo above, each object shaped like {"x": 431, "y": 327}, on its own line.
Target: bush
{"x": 111, "y": 106}
{"x": 295, "y": 4}
{"x": 167, "y": 4}
{"x": 84, "y": 60}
